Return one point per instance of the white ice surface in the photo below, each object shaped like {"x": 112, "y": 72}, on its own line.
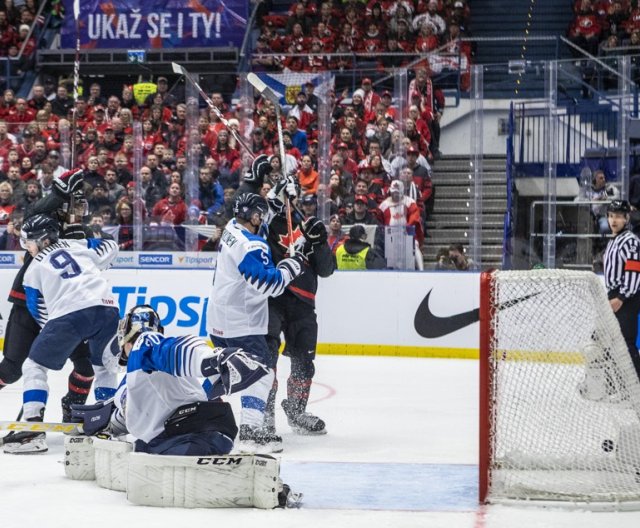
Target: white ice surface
{"x": 378, "y": 410}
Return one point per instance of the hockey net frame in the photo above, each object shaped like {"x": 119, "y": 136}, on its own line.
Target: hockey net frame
{"x": 554, "y": 430}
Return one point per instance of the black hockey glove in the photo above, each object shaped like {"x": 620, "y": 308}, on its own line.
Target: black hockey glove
{"x": 285, "y": 188}
{"x": 238, "y": 370}
{"x": 314, "y": 230}
{"x": 75, "y": 231}
{"x": 292, "y": 266}
{"x": 69, "y": 183}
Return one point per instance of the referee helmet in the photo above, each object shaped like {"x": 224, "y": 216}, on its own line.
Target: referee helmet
{"x": 619, "y": 206}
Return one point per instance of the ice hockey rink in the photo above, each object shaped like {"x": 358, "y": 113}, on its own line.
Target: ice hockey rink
{"x": 401, "y": 452}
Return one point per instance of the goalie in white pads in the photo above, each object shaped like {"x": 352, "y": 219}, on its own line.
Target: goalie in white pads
{"x": 183, "y": 421}
{"x": 72, "y": 302}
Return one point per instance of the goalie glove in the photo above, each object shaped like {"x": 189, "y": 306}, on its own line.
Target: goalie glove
{"x": 314, "y": 230}
{"x": 94, "y": 418}
{"x": 70, "y": 183}
{"x": 237, "y": 369}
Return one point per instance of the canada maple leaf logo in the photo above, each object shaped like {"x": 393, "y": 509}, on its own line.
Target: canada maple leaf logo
{"x": 286, "y": 240}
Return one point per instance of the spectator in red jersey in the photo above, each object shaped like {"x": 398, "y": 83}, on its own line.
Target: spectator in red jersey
{"x": 585, "y": 29}
{"x": 302, "y": 112}
{"x": 422, "y": 179}
{"x": 370, "y": 98}
{"x": 172, "y": 209}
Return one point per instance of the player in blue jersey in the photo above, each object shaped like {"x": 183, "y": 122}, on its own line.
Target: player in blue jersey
{"x": 237, "y": 313}
{"x": 68, "y": 297}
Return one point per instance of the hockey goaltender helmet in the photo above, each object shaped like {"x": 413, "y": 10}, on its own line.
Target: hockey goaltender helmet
{"x": 39, "y": 228}
{"x": 141, "y": 318}
{"x": 249, "y": 203}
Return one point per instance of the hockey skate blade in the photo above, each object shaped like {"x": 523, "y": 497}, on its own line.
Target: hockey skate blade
{"x": 305, "y": 432}
{"x": 35, "y": 447}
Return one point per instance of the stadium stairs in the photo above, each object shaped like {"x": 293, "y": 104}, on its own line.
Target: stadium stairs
{"x": 451, "y": 220}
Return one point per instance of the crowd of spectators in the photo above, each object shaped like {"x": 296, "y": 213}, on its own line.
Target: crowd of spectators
{"x": 18, "y": 29}
{"x": 329, "y": 35}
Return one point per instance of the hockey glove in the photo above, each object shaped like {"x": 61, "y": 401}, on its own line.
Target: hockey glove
{"x": 291, "y": 267}
{"x": 314, "y": 230}
{"x": 285, "y": 188}
{"x": 94, "y": 418}
{"x": 69, "y": 183}
{"x": 238, "y": 370}
{"x": 75, "y": 231}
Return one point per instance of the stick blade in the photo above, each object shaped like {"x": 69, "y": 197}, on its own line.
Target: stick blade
{"x": 177, "y": 68}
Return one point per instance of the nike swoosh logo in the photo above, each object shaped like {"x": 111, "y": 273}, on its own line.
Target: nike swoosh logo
{"x": 431, "y": 326}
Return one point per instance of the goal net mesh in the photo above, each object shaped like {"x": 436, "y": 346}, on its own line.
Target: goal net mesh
{"x": 564, "y": 398}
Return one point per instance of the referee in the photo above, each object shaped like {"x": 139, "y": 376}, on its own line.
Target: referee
{"x": 622, "y": 274}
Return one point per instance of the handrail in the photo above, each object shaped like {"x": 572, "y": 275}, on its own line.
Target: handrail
{"x": 39, "y": 13}
{"x": 595, "y": 59}
{"x": 252, "y": 17}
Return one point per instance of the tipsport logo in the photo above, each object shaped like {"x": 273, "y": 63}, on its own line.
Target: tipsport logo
{"x": 187, "y": 312}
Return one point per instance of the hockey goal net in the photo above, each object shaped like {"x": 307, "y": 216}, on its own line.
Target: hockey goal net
{"x": 559, "y": 397}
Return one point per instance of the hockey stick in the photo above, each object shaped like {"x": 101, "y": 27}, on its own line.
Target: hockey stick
{"x": 270, "y": 95}
{"x": 76, "y": 82}
{"x": 42, "y": 427}
{"x": 181, "y": 70}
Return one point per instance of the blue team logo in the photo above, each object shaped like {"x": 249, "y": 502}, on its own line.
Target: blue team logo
{"x": 156, "y": 260}
{"x": 7, "y": 259}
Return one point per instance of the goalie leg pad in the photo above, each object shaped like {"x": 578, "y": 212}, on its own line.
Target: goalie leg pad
{"x": 111, "y": 463}
{"x": 202, "y": 482}
{"x": 79, "y": 458}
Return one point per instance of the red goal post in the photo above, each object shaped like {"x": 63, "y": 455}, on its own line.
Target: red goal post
{"x": 559, "y": 397}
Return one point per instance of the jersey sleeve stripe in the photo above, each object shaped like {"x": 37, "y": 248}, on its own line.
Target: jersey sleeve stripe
{"x": 632, "y": 265}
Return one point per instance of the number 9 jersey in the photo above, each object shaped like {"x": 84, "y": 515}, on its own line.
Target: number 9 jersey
{"x": 67, "y": 276}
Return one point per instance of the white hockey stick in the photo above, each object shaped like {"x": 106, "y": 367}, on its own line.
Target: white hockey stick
{"x": 270, "y": 95}
{"x": 181, "y": 70}
{"x": 42, "y": 427}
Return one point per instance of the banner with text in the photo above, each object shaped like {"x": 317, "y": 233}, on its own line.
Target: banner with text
{"x": 134, "y": 24}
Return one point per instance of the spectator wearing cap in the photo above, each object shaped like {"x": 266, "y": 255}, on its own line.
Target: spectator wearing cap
{"x": 100, "y": 198}
{"x": 99, "y": 122}
{"x": 361, "y": 213}
{"x": 349, "y": 150}
{"x": 374, "y": 189}
{"x": 109, "y": 140}
{"x": 356, "y": 253}
{"x": 302, "y": 112}
{"x": 307, "y": 176}
{"x": 95, "y": 96}
{"x": 53, "y": 158}
{"x": 26, "y": 148}
{"x": 298, "y": 137}
{"x": 401, "y": 210}
{"x": 313, "y": 152}
{"x": 290, "y": 150}
{"x": 312, "y": 99}
{"x": 309, "y": 204}
{"x": 171, "y": 210}
{"x": 61, "y": 103}
{"x": 370, "y": 98}
{"x": 258, "y": 143}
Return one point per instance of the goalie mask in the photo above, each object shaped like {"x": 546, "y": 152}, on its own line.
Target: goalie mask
{"x": 141, "y": 318}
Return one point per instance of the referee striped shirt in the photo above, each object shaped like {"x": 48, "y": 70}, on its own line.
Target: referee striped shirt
{"x": 622, "y": 265}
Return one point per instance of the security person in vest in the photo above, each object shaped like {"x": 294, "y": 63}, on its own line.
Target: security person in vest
{"x": 356, "y": 253}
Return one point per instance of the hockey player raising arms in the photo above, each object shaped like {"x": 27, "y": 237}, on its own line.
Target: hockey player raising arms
{"x": 237, "y": 315}
{"x": 68, "y": 297}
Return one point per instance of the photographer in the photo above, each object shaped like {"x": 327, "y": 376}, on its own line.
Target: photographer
{"x": 459, "y": 260}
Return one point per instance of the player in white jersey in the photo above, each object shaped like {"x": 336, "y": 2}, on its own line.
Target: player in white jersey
{"x": 68, "y": 297}
{"x": 183, "y": 421}
{"x": 238, "y": 312}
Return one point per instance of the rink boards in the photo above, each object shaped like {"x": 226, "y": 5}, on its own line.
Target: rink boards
{"x": 359, "y": 313}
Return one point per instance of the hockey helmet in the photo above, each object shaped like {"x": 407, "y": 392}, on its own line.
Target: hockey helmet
{"x": 141, "y": 318}
{"x": 619, "y": 206}
{"x": 39, "y": 228}
{"x": 260, "y": 167}
{"x": 249, "y": 203}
